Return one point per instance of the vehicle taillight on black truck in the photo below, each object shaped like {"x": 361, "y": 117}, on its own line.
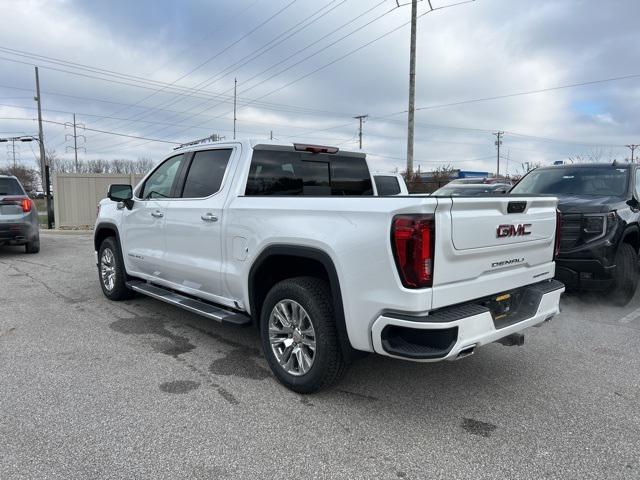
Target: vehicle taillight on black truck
{"x": 413, "y": 240}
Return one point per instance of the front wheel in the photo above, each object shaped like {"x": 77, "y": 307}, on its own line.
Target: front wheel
{"x": 299, "y": 335}
{"x": 111, "y": 271}
{"x": 625, "y": 277}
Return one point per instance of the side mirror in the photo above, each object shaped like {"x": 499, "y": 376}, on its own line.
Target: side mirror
{"x": 633, "y": 202}
{"x": 121, "y": 193}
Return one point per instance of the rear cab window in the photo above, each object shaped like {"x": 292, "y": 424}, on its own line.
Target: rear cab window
{"x": 294, "y": 173}
{"x": 387, "y": 185}
{"x": 10, "y": 186}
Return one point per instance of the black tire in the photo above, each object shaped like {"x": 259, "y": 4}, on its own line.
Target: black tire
{"x": 33, "y": 246}
{"x": 625, "y": 277}
{"x": 328, "y": 364}
{"x": 118, "y": 291}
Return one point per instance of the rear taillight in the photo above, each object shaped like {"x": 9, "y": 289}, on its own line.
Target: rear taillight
{"x": 556, "y": 249}
{"x": 24, "y": 202}
{"x": 413, "y": 240}
{"x": 26, "y": 205}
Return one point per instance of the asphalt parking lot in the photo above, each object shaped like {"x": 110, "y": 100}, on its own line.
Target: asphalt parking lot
{"x": 95, "y": 389}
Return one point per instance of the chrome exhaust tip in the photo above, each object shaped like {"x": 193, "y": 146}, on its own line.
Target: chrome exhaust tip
{"x": 466, "y": 352}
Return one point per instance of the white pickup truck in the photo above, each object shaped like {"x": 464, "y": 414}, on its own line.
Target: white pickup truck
{"x": 292, "y": 240}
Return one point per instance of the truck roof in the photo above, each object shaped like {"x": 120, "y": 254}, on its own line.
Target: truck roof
{"x": 251, "y": 143}
{"x": 588, "y": 165}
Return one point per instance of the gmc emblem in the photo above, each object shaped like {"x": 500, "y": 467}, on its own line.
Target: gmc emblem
{"x": 513, "y": 230}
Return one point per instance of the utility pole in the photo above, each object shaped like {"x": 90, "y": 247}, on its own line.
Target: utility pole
{"x": 362, "y": 119}
{"x": 498, "y": 143}
{"x": 412, "y": 88}
{"x": 44, "y": 169}
{"x": 271, "y": 135}
{"x": 633, "y": 149}
{"x": 235, "y": 99}
{"x": 75, "y": 137}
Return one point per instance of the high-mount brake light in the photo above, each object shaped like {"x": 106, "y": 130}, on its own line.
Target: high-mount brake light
{"x": 413, "y": 242}
{"x": 302, "y": 147}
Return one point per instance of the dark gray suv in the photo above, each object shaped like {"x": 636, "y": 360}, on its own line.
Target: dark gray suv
{"x": 18, "y": 216}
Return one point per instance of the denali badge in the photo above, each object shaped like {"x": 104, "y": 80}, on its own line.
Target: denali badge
{"x": 513, "y": 230}
{"x": 504, "y": 263}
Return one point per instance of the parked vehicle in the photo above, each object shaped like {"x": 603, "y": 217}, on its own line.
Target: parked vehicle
{"x": 472, "y": 189}
{"x": 292, "y": 240}
{"x": 18, "y": 216}
{"x": 389, "y": 184}
{"x": 600, "y": 235}
{"x": 479, "y": 180}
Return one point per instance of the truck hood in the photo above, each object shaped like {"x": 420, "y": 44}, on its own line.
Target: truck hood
{"x": 588, "y": 204}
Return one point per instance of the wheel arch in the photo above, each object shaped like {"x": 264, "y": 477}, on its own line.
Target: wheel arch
{"x": 298, "y": 261}
{"x": 631, "y": 236}
{"x": 104, "y": 230}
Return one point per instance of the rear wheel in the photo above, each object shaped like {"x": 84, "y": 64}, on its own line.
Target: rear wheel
{"x": 111, "y": 271}
{"x": 625, "y": 277}
{"x": 299, "y": 335}
{"x": 33, "y": 246}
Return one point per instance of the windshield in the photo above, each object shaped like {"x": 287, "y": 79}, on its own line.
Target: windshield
{"x": 10, "y": 186}
{"x": 590, "y": 181}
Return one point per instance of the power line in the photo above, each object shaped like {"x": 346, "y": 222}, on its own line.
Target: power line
{"x": 330, "y": 63}
{"x": 518, "y": 94}
{"x": 348, "y": 54}
{"x": 178, "y": 90}
{"x": 208, "y": 107}
{"x": 220, "y": 52}
{"x": 257, "y": 53}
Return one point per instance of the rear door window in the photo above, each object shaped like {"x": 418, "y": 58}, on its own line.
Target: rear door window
{"x": 287, "y": 173}
{"x": 206, "y": 172}
{"x": 10, "y": 186}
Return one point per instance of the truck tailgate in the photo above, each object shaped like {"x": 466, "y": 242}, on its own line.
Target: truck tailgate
{"x": 489, "y": 245}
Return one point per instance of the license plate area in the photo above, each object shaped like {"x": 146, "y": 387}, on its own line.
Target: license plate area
{"x": 507, "y": 308}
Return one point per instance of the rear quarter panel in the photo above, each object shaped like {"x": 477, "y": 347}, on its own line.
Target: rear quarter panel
{"x": 354, "y": 232}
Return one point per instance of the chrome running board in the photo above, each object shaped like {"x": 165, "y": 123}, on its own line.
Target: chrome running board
{"x": 199, "y": 307}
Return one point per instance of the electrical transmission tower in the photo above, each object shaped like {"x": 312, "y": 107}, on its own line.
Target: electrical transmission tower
{"x": 75, "y": 137}
{"x": 632, "y": 147}
{"x": 11, "y": 152}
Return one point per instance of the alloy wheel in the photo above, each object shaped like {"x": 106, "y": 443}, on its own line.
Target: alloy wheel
{"x": 292, "y": 337}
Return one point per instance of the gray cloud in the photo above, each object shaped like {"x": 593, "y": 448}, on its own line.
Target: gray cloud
{"x": 483, "y": 49}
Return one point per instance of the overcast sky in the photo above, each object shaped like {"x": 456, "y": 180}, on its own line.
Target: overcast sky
{"x": 165, "y": 70}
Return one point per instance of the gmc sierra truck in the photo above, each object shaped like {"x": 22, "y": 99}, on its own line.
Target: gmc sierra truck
{"x": 292, "y": 240}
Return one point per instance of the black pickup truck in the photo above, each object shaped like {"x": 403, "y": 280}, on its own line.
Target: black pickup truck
{"x": 600, "y": 237}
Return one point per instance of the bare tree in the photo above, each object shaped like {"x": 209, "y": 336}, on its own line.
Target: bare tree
{"x": 119, "y": 166}
{"x": 595, "y": 155}
{"x": 28, "y": 177}
{"x": 438, "y": 177}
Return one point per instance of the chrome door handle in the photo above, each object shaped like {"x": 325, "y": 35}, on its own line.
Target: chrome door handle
{"x": 209, "y": 217}
{"x": 157, "y": 214}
